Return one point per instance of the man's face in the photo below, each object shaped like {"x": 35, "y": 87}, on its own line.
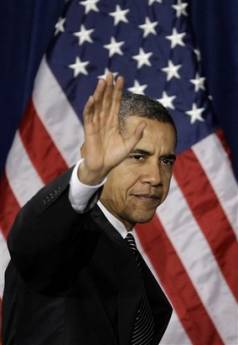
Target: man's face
{"x": 140, "y": 183}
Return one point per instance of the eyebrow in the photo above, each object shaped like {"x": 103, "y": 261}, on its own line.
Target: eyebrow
{"x": 171, "y": 156}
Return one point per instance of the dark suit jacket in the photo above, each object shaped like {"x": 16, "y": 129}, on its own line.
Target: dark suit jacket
{"x": 72, "y": 279}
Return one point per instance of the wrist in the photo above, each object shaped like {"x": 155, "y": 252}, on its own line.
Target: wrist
{"x": 88, "y": 177}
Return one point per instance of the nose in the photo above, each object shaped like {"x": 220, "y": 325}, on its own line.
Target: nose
{"x": 152, "y": 175}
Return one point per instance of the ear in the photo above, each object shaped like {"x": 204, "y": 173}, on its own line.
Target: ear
{"x": 82, "y": 149}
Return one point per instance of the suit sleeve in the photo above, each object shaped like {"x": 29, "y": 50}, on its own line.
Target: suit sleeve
{"x": 49, "y": 241}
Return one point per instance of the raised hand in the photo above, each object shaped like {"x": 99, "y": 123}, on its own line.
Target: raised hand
{"x": 105, "y": 146}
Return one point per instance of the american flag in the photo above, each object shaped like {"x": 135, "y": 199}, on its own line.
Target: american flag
{"x": 191, "y": 243}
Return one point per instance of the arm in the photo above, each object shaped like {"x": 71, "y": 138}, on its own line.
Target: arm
{"x": 48, "y": 234}
{"x": 38, "y": 239}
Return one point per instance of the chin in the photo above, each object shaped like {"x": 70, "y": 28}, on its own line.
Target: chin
{"x": 143, "y": 221}
{"x": 143, "y": 218}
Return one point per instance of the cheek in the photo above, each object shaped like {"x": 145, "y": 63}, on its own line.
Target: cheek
{"x": 166, "y": 183}
{"x": 118, "y": 185}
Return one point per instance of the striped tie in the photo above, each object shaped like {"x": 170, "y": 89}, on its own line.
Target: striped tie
{"x": 143, "y": 330}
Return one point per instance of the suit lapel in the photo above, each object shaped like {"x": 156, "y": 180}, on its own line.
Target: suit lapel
{"x": 129, "y": 297}
{"x": 159, "y": 303}
{"x": 129, "y": 282}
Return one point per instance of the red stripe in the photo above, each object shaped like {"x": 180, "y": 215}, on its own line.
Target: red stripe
{"x": 179, "y": 287}
{"x": 42, "y": 151}
{"x": 9, "y": 206}
{"x": 209, "y": 214}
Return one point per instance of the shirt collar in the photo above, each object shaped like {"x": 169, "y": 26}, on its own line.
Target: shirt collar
{"x": 116, "y": 223}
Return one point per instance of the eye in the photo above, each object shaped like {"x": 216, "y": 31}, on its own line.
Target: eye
{"x": 167, "y": 161}
{"x": 138, "y": 157}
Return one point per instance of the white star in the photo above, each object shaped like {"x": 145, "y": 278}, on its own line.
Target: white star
{"x": 152, "y": 1}
{"x": 172, "y": 70}
{"x": 195, "y": 114}
{"x": 79, "y": 67}
{"x": 84, "y": 35}
{"x": 166, "y": 100}
{"x": 198, "y": 82}
{"x": 106, "y": 71}
{"x": 114, "y": 47}
{"x": 137, "y": 88}
{"x": 90, "y": 5}
{"x": 142, "y": 58}
{"x": 176, "y": 38}
{"x": 148, "y": 27}
{"x": 119, "y": 15}
{"x": 198, "y": 54}
{"x": 59, "y": 26}
{"x": 180, "y": 8}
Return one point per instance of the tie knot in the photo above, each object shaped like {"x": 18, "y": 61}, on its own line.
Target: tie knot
{"x": 131, "y": 242}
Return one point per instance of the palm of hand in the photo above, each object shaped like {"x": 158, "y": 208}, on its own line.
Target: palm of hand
{"x": 105, "y": 145}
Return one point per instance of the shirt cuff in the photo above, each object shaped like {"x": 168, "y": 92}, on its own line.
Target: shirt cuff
{"x": 80, "y": 194}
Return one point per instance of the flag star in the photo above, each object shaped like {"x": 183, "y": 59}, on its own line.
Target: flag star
{"x": 195, "y": 114}
{"x": 152, "y": 1}
{"x": 198, "y": 82}
{"x": 59, "y": 26}
{"x": 176, "y": 38}
{"x": 198, "y": 54}
{"x": 180, "y": 8}
{"x": 138, "y": 88}
{"x": 142, "y": 58}
{"x": 114, "y": 47}
{"x": 119, "y": 15}
{"x": 79, "y": 67}
{"x": 84, "y": 35}
{"x": 90, "y": 5}
{"x": 106, "y": 71}
{"x": 148, "y": 27}
{"x": 172, "y": 70}
{"x": 166, "y": 100}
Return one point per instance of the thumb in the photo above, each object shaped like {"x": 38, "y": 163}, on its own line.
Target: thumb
{"x": 137, "y": 135}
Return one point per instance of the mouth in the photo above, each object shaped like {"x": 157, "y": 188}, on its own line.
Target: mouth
{"x": 148, "y": 198}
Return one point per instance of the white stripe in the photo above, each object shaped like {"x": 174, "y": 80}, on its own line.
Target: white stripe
{"x": 5, "y": 257}
{"x": 22, "y": 176}
{"x": 57, "y": 115}
{"x": 199, "y": 262}
{"x": 175, "y": 333}
{"x": 217, "y": 167}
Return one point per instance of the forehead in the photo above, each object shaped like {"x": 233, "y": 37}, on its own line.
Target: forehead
{"x": 156, "y": 136}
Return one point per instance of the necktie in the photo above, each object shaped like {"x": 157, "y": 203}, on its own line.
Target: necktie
{"x": 143, "y": 330}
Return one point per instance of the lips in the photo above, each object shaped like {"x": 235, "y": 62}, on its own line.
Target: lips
{"x": 148, "y": 197}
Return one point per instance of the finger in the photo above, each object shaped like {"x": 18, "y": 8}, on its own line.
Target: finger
{"x": 116, "y": 99}
{"x": 88, "y": 110}
{"x": 98, "y": 95}
{"x": 136, "y": 137}
{"x": 107, "y": 97}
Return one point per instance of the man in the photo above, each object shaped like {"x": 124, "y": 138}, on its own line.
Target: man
{"x": 73, "y": 279}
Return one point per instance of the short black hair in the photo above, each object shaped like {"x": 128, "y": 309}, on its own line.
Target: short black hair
{"x": 133, "y": 104}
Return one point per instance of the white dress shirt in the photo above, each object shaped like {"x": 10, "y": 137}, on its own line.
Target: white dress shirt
{"x": 80, "y": 194}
